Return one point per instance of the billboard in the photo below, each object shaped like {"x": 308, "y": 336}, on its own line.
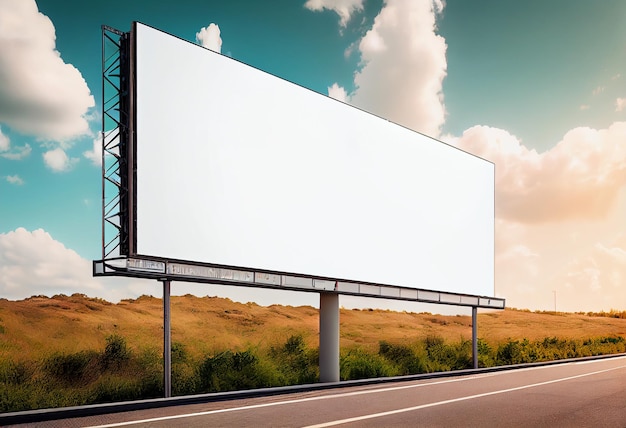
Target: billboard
{"x": 236, "y": 167}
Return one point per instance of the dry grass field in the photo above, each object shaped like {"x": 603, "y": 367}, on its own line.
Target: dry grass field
{"x": 75, "y": 350}
{"x": 37, "y": 326}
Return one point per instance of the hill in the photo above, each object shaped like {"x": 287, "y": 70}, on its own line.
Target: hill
{"x": 40, "y": 325}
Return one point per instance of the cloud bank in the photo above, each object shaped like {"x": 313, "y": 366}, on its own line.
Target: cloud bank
{"x": 40, "y": 95}
{"x": 579, "y": 178}
{"x": 403, "y": 64}
{"x": 33, "y": 263}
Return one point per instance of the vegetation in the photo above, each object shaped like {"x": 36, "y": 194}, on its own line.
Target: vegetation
{"x": 118, "y": 373}
{"x": 611, "y": 314}
{"x": 113, "y": 352}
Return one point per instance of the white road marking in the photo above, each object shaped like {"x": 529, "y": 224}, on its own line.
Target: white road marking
{"x": 348, "y": 394}
{"x": 581, "y": 363}
{"x": 280, "y": 403}
{"x": 454, "y": 400}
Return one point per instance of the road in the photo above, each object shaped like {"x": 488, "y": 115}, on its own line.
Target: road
{"x": 582, "y": 394}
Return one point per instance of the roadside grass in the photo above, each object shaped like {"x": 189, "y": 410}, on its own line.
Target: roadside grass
{"x": 74, "y": 350}
{"x": 120, "y": 373}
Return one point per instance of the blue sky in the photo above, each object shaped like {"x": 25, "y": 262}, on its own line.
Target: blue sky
{"x": 537, "y": 87}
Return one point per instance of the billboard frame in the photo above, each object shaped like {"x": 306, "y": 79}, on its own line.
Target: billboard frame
{"x": 174, "y": 270}
{"x": 119, "y": 208}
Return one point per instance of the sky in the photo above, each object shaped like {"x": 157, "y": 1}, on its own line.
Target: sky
{"x": 536, "y": 87}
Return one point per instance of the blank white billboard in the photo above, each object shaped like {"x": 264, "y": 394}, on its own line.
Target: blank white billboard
{"x": 241, "y": 168}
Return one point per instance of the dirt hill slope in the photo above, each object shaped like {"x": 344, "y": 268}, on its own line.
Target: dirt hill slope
{"x": 40, "y": 325}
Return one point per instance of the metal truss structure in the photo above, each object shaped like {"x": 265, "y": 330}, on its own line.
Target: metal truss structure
{"x": 114, "y": 130}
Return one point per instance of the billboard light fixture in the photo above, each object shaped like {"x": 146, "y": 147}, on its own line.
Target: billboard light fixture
{"x": 369, "y": 289}
{"x": 236, "y": 275}
{"x": 267, "y": 278}
{"x": 297, "y": 281}
{"x": 322, "y": 284}
{"x": 408, "y": 293}
{"x": 192, "y": 270}
{"x": 427, "y": 295}
{"x": 142, "y": 265}
{"x": 349, "y": 287}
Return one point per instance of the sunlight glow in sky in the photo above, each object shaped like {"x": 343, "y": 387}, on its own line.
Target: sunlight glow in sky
{"x": 538, "y": 88}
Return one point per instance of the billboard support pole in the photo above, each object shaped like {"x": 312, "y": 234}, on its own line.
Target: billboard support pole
{"x": 329, "y": 337}
{"x": 167, "y": 344}
{"x": 475, "y": 336}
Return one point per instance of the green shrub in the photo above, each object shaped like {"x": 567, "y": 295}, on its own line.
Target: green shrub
{"x": 509, "y": 353}
{"x": 150, "y": 384}
{"x": 16, "y": 398}
{"x": 405, "y": 359}
{"x": 445, "y": 357}
{"x": 294, "y": 362}
{"x": 229, "y": 371}
{"x": 71, "y": 368}
{"x": 360, "y": 364}
{"x": 184, "y": 379}
{"x": 179, "y": 353}
{"x": 116, "y": 354}
{"x": 485, "y": 354}
{"x": 16, "y": 373}
{"x": 115, "y": 388}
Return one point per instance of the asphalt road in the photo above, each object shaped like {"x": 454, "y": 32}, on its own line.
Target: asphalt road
{"x": 583, "y": 394}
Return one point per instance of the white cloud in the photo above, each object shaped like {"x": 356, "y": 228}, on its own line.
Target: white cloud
{"x": 343, "y": 8}
{"x": 33, "y": 263}
{"x": 58, "y": 161}
{"x": 584, "y": 107}
{"x": 209, "y": 37}
{"x": 519, "y": 270}
{"x": 5, "y": 142}
{"x": 598, "y": 90}
{"x": 598, "y": 277}
{"x": 620, "y": 104}
{"x": 112, "y": 142}
{"x": 15, "y": 179}
{"x": 583, "y": 261}
{"x": 17, "y": 153}
{"x": 40, "y": 94}
{"x": 95, "y": 154}
{"x": 518, "y": 265}
{"x": 337, "y": 92}
{"x": 579, "y": 178}
{"x": 403, "y": 66}
{"x": 13, "y": 153}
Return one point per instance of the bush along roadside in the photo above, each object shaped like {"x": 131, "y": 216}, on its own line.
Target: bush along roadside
{"x": 120, "y": 373}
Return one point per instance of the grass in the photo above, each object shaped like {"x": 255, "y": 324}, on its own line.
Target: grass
{"x": 39, "y": 326}
{"x": 69, "y": 350}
